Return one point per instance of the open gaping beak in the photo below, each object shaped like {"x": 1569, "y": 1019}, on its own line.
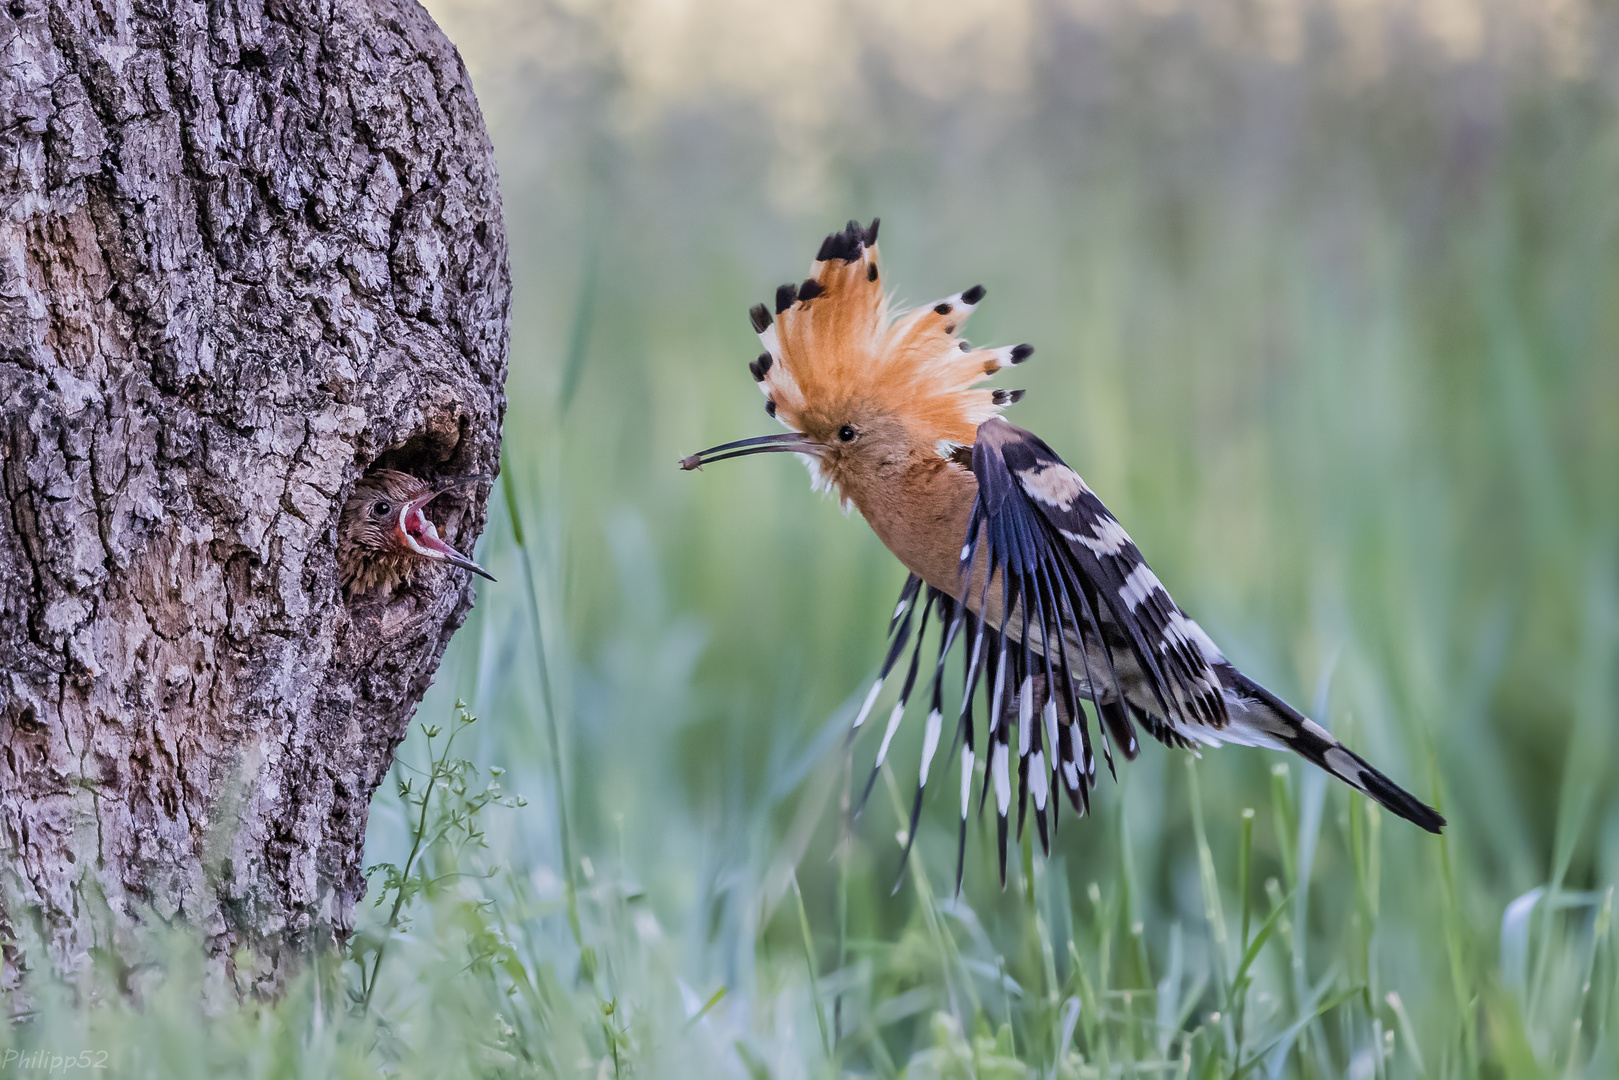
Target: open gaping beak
{"x": 421, "y": 536}
{"x": 788, "y": 442}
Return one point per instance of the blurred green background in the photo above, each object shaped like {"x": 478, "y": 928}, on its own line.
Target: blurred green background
{"x": 1326, "y": 304}
{"x": 1325, "y": 295}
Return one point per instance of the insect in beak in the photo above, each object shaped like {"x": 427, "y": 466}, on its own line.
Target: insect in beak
{"x": 418, "y": 534}
{"x": 788, "y": 442}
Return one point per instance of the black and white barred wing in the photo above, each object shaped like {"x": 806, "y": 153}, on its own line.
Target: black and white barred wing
{"x": 1051, "y": 539}
{"x": 1060, "y": 607}
{"x": 988, "y": 662}
{"x": 1072, "y": 582}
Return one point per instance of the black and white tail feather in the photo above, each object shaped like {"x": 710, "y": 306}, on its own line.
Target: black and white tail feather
{"x": 1068, "y": 611}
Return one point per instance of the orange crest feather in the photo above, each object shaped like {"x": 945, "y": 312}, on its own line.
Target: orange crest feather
{"x": 833, "y": 342}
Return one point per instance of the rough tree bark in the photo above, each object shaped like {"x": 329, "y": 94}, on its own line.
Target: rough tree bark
{"x": 248, "y": 249}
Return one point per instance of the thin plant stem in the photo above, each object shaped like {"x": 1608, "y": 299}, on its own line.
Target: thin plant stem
{"x": 553, "y": 737}
{"x": 809, "y": 961}
{"x": 419, "y": 833}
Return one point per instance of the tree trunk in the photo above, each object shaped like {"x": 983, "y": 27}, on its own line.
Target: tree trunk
{"x": 247, "y": 251}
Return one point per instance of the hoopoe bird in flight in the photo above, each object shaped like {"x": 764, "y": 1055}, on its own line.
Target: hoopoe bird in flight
{"x": 1047, "y": 594}
{"x": 384, "y": 537}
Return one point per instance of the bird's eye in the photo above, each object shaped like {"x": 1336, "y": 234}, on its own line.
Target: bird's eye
{"x": 846, "y": 433}
{"x": 381, "y": 507}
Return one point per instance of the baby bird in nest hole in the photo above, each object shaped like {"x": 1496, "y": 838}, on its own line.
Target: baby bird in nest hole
{"x": 384, "y": 537}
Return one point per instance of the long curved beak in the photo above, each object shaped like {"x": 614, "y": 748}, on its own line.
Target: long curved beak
{"x": 788, "y": 442}
{"x": 421, "y": 536}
